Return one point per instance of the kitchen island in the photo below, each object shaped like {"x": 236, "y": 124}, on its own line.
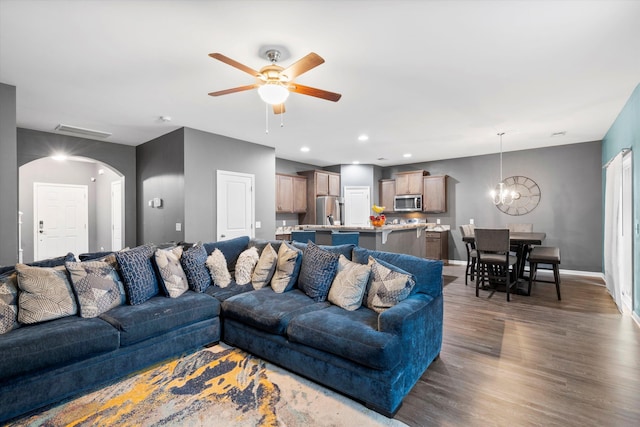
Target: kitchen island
{"x": 397, "y": 238}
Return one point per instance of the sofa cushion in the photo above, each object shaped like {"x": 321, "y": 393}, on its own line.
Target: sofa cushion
{"x": 89, "y": 256}
{"x": 349, "y": 334}
{"x": 45, "y": 294}
{"x": 347, "y": 289}
{"x": 267, "y": 310}
{"x": 217, "y": 266}
{"x": 427, "y": 272}
{"x": 8, "y": 302}
{"x": 172, "y": 277}
{"x": 245, "y": 265}
{"x": 231, "y": 249}
{"x": 265, "y": 267}
{"x": 97, "y": 286}
{"x": 387, "y": 286}
{"x": 260, "y": 244}
{"x": 287, "y": 268}
{"x": 48, "y": 344}
{"x": 159, "y": 315}
{"x": 318, "y": 269}
{"x": 49, "y": 262}
{"x": 138, "y": 274}
{"x": 222, "y": 294}
{"x": 194, "y": 264}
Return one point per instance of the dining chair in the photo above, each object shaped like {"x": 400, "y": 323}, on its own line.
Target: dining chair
{"x": 472, "y": 255}
{"x": 520, "y": 228}
{"x": 495, "y": 263}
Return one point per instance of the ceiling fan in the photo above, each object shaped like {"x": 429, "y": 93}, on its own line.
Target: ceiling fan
{"x": 275, "y": 82}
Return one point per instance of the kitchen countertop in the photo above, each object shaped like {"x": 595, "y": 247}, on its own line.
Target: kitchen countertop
{"x": 386, "y": 227}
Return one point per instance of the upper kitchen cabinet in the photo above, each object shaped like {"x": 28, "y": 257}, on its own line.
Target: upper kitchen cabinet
{"x": 291, "y": 194}
{"x": 387, "y": 193}
{"x": 435, "y": 194}
{"x": 409, "y": 182}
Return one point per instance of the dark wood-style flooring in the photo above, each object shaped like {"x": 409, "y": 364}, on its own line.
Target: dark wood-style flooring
{"x": 534, "y": 361}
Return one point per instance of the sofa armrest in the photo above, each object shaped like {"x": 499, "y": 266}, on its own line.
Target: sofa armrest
{"x": 398, "y": 318}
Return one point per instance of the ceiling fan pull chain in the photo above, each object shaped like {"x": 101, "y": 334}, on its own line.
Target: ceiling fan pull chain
{"x": 266, "y": 117}
{"x": 281, "y": 116}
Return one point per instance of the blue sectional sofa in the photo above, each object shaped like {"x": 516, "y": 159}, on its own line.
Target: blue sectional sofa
{"x": 375, "y": 358}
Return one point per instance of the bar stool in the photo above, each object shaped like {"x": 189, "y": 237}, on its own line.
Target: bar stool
{"x": 303, "y": 236}
{"x": 472, "y": 255}
{"x": 345, "y": 238}
{"x": 544, "y": 255}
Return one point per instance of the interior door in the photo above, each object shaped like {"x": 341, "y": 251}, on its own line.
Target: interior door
{"x": 626, "y": 259}
{"x": 235, "y": 205}
{"x": 116, "y": 215}
{"x": 357, "y": 206}
{"x": 60, "y": 220}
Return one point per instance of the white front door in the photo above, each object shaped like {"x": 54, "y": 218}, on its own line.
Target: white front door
{"x": 356, "y": 206}
{"x": 116, "y": 215}
{"x": 60, "y": 220}
{"x": 235, "y": 205}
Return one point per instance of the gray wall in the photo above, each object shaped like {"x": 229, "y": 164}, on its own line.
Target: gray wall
{"x": 51, "y": 171}
{"x": 570, "y": 180}
{"x": 33, "y": 145}
{"x": 160, "y": 166}
{"x": 206, "y": 153}
{"x": 8, "y": 176}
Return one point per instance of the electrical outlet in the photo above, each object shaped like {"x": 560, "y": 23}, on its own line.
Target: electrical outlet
{"x": 438, "y": 221}
{"x": 284, "y": 223}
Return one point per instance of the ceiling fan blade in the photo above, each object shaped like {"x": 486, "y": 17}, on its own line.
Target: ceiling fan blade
{"x": 234, "y": 90}
{"x": 303, "y": 65}
{"x": 278, "y": 109}
{"x": 236, "y": 64}
{"x": 312, "y": 91}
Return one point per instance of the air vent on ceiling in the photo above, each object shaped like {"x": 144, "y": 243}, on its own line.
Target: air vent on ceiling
{"x": 82, "y": 131}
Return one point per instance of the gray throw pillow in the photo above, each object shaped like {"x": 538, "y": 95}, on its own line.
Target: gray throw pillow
{"x": 386, "y": 287}
{"x": 45, "y": 294}
{"x": 173, "y": 277}
{"x": 265, "y": 268}
{"x": 287, "y": 268}
{"x": 217, "y": 265}
{"x": 245, "y": 265}
{"x": 317, "y": 272}
{"x": 97, "y": 286}
{"x": 347, "y": 289}
{"x": 8, "y": 302}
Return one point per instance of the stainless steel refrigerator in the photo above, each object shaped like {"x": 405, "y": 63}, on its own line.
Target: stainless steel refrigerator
{"x": 329, "y": 210}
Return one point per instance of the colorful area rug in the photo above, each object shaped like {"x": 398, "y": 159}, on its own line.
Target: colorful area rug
{"x": 217, "y": 386}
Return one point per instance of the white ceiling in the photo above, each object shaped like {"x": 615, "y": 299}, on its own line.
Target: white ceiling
{"x": 432, "y": 78}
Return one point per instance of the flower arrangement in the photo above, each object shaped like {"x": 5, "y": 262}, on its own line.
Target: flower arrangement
{"x": 379, "y": 219}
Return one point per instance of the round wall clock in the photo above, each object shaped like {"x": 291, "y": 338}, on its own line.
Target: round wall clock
{"x": 527, "y": 195}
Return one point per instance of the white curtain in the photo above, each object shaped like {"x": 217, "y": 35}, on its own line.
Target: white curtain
{"x": 613, "y": 229}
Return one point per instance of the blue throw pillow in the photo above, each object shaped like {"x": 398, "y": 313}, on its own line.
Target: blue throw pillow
{"x": 140, "y": 281}
{"x": 318, "y": 269}
{"x": 194, "y": 265}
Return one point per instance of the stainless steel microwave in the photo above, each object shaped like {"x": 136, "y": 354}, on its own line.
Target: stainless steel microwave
{"x": 407, "y": 203}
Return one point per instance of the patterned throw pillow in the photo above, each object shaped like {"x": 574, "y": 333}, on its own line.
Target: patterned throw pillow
{"x": 245, "y": 265}
{"x": 318, "y": 269}
{"x": 347, "y": 289}
{"x": 97, "y": 285}
{"x": 140, "y": 282}
{"x": 45, "y": 294}
{"x": 173, "y": 278}
{"x": 217, "y": 265}
{"x": 265, "y": 268}
{"x": 8, "y": 302}
{"x": 193, "y": 262}
{"x": 386, "y": 287}
{"x": 287, "y": 268}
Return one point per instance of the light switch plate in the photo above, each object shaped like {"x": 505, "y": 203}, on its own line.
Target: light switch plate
{"x": 178, "y": 226}
{"x": 471, "y": 221}
{"x": 258, "y": 224}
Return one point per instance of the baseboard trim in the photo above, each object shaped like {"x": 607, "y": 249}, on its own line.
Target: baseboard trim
{"x": 635, "y": 317}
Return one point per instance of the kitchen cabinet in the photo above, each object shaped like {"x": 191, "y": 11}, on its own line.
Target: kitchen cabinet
{"x": 409, "y": 182}
{"x": 319, "y": 183}
{"x": 437, "y": 245}
{"x": 291, "y": 194}
{"x": 434, "y": 199}
{"x": 387, "y": 193}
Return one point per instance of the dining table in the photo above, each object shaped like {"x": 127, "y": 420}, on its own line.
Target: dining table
{"x": 522, "y": 241}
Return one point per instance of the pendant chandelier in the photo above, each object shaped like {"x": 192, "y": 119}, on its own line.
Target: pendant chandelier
{"x": 502, "y": 195}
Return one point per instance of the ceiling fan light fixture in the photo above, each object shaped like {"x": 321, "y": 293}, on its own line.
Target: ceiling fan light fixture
{"x": 273, "y": 93}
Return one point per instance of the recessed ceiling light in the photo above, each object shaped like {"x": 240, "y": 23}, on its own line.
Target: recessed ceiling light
{"x": 406, "y": 155}
{"x": 59, "y": 157}
{"x": 305, "y": 149}
{"x": 363, "y": 137}
{"x": 356, "y": 162}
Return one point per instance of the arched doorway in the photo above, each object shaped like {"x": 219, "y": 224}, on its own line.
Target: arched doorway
{"x": 105, "y": 210}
